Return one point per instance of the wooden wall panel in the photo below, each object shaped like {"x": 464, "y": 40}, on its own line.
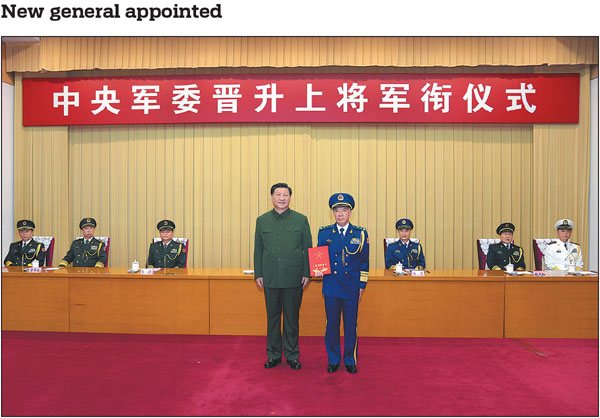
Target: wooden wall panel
{"x": 35, "y": 304}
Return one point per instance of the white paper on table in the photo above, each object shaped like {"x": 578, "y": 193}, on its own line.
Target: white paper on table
{"x": 520, "y": 273}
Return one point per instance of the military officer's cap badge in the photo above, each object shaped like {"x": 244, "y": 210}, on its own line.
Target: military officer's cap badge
{"x": 564, "y": 224}
{"x": 165, "y": 224}
{"x": 404, "y": 223}
{"x": 341, "y": 199}
{"x": 505, "y": 227}
{"x": 25, "y": 224}
{"x": 87, "y": 222}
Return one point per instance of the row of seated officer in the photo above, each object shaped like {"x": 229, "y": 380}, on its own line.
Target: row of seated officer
{"x": 90, "y": 251}
{"x": 557, "y": 254}
{"x": 549, "y": 254}
{"x": 167, "y": 253}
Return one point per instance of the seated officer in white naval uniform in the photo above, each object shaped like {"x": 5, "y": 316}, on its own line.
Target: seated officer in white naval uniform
{"x": 559, "y": 254}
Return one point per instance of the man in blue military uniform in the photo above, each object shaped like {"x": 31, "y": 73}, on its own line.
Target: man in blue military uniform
{"x": 166, "y": 253}
{"x": 87, "y": 251}
{"x": 404, "y": 251}
{"x": 505, "y": 252}
{"x": 22, "y": 253}
{"x": 349, "y": 259}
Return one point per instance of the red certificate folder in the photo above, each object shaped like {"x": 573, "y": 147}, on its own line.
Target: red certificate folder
{"x": 318, "y": 258}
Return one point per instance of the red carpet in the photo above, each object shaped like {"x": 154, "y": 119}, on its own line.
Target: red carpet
{"x": 62, "y": 374}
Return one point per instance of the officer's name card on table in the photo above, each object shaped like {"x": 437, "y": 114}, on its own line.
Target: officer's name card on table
{"x": 418, "y": 273}
{"x": 149, "y": 271}
{"x": 318, "y": 258}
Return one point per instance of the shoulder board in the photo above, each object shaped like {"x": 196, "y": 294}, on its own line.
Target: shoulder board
{"x": 326, "y": 227}
{"x": 80, "y": 239}
{"x": 574, "y": 243}
{"x": 360, "y": 228}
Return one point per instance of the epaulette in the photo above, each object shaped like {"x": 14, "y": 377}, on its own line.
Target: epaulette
{"x": 360, "y": 228}
{"x": 326, "y": 227}
{"x": 574, "y": 243}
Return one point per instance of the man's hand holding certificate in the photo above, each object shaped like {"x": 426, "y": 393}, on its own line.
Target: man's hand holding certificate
{"x": 318, "y": 258}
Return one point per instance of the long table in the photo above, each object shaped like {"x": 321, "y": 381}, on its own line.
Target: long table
{"x": 225, "y": 301}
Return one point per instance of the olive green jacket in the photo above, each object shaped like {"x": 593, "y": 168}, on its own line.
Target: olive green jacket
{"x": 173, "y": 254}
{"x": 281, "y": 244}
{"x": 92, "y": 254}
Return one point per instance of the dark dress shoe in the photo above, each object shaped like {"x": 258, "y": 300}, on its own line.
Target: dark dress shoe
{"x": 294, "y": 364}
{"x": 332, "y": 368}
{"x": 272, "y": 362}
{"x": 351, "y": 368}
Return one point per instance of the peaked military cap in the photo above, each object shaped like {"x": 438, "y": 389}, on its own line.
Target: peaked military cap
{"x": 404, "y": 223}
{"x": 165, "y": 224}
{"x": 87, "y": 222}
{"x": 564, "y": 224}
{"x": 341, "y": 199}
{"x": 505, "y": 227}
{"x": 25, "y": 224}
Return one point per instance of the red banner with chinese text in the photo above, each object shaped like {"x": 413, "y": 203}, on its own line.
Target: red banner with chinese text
{"x": 303, "y": 98}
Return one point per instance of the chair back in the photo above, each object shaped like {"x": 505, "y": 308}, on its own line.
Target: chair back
{"x": 483, "y": 246}
{"x": 48, "y": 242}
{"x": 106, "y": 241}
{"x": 184, "y": 241}
{"x": 388, "y": 241}
{"x": 539, "y": 250}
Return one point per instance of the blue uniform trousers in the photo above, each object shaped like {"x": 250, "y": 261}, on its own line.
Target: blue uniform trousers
{"x": 333, "y": 309}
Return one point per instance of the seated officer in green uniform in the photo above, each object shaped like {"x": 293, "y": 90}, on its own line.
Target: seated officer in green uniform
{"x": 22, "y": 253}
{"x": 87, "y": 251}
{"x": 166, "y": 253}
{"x": 503, "y": 253}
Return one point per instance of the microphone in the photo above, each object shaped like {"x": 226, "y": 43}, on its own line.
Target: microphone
{"x": 165, "y": 261}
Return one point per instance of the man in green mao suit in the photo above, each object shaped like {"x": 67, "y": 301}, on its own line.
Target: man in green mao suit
{"x": 282, "y": 240}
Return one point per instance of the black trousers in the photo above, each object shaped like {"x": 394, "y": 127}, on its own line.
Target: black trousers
{"x": 286, "y": 301}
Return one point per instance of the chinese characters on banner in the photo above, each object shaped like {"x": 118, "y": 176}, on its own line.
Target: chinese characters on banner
{"x": 308, "y": 98}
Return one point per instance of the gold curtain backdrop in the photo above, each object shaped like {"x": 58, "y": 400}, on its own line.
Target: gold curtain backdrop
{"x": 457, "y": 182}
{"x": 91, "y": 53}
